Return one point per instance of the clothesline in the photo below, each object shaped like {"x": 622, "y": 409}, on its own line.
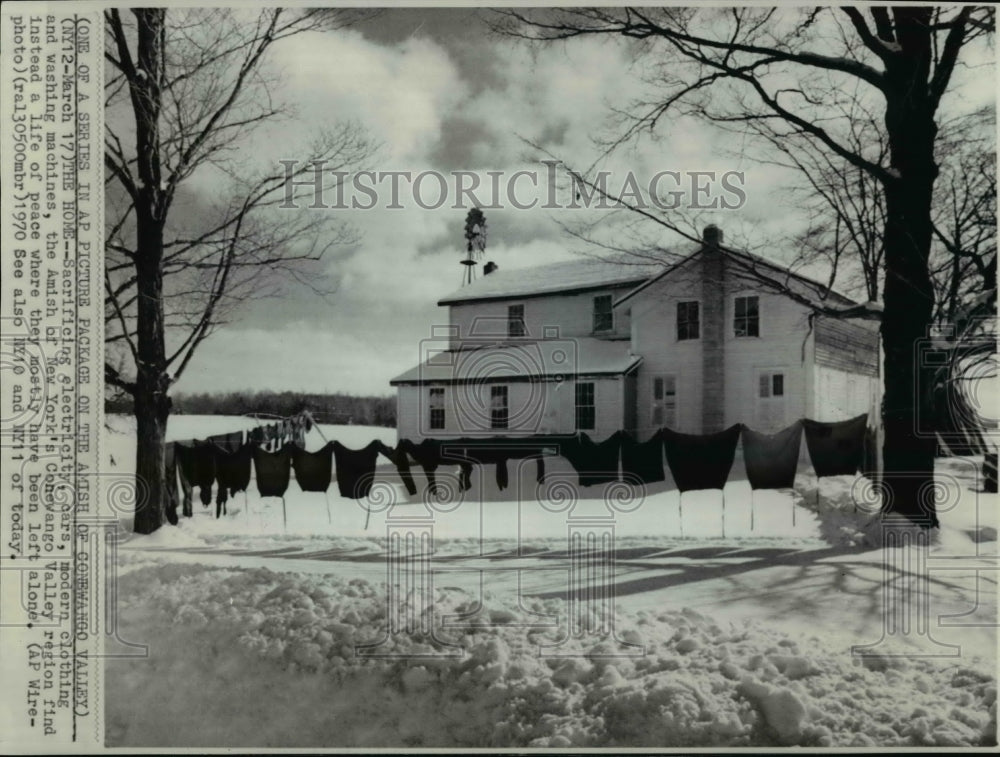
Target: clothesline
{"x": 696, "y": 461}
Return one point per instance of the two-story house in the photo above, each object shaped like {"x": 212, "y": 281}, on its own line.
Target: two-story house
{"x": 717, "y": 338}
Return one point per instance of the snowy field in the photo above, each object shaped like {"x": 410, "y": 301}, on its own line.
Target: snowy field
{"x": 735, "y": 614}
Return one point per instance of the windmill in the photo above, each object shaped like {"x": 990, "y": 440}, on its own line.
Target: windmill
{"x": 475, "y": 243}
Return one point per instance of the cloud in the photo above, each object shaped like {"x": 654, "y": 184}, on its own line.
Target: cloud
{"x": 440, "y": 93}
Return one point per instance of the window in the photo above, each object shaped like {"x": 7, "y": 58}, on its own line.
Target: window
{"x": 746, "y": 321}
{"x": 664, "y": 401}
{"x": 585, "y": 413}
{"x": 687, "y": 320}
{"x": 772, "y": 385}
{"x": 515, "y": 320}
{"x": 603, "y": 316}
{"x": 498, "y": 407}
{"x": 436, "y": 407}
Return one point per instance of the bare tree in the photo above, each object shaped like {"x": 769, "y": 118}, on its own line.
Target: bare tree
{"x": 846, "y": 211}
{"x": 797, "y": 75}
{"x": 184, "y": 89}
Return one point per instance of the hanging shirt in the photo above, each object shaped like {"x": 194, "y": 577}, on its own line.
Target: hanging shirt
{"x": 594, "y": 462}
{"x": 197, "y": 464}
{"x": 273, "y": 471}
{"x": 772, "y": 459}
{"x": 232, "y": 469}
{"x": 355, "y": 469}
{"x": 836, "y": 448}
{"x": 700, "y": 461}
{"x": 313, "y": 470}
{"x": 643, "y": 461}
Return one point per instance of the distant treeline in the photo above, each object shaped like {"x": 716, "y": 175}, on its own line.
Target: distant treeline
{"x": 325, "y": 408}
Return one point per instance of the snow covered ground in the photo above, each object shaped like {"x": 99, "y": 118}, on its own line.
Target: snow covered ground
{"x": 734, "y": 620}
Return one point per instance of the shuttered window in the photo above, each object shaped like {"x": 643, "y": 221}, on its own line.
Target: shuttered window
{"x": 585, "y": 410}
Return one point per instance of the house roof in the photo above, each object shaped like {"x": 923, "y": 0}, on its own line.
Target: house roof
{"x": 761, "y": 269}
{"x": 523, "y": 361}
{"x": 577, "y": 275}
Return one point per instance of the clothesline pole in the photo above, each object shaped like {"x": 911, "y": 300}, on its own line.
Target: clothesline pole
{"x": 680, "y": 510}
{"x": 327, "y": 495}
{"x": 723, "y": 513}
{"x": 368, "y": 514}
{"x": 751, "y": 508}
{"x": 318, "y": 431}
{"x": 284, "y": 514}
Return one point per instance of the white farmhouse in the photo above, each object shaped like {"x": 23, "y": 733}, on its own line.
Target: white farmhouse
{"x": 720, "y": 337}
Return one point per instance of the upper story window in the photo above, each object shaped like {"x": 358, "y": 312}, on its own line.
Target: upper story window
{"x": 688, "y": 322}
{"x": 603, "y": 315}
{"x": 585, "y": 409}
{"x": 436, "y": 407}
{"x": 498, "y": 407}
{"x": 515, "y": 321}
{"x": 746, "y": 317}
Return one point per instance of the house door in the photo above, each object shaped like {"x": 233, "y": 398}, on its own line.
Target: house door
{"x": 664, "y": 410}
{"x": 770, "y": 406}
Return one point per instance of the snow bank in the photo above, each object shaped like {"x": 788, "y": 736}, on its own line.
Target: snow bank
{"x": 257, "y": 658}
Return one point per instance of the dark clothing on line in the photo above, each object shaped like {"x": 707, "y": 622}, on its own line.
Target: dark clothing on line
{"x": 701, "y": 461}
{"x": 355, "y": 469}
{"x": 232, "y": 469}
{"x": 197, "y": 465}
{"x": 480, "y": 452}
{"x": 313, "y": 470}
{"x": 273, "y": 471}
{"x": 228, "y": 442}
{"x": 232, "y": 472}
{"x": 172, "y": 499}
{"x": 594, "y": 462}
{"x": 496, "y": 451}
{"x": 402, "y": 463}
{"x": 642, "y": 462}
{"x": 187, "y": 490}
{"x": 427, "y": 454}
{"x": 869, "y": 458}
{"x": 772, "y": 459}
{"x": 836, "y": 448}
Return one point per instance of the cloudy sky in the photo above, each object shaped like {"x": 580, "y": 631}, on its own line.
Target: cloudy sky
{"x": 439, "y": 92}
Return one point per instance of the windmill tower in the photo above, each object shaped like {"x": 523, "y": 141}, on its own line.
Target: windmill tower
{"x": 475, "y": 244}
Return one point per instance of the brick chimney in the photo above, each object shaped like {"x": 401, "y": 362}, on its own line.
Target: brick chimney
{"x": 713, "y": 335}
{"x": 489, "y": 268}
{"x": 712, "y": 235}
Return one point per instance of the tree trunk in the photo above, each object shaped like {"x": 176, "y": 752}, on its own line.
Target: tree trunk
{"x": 152, "y": 405}
{"x": 908, "y": 296}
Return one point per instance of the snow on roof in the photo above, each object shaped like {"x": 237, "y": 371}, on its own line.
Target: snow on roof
{"x": 569, "y": 275}
{"x": 754, "y": 266}
{"x": 549, "y": 358}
